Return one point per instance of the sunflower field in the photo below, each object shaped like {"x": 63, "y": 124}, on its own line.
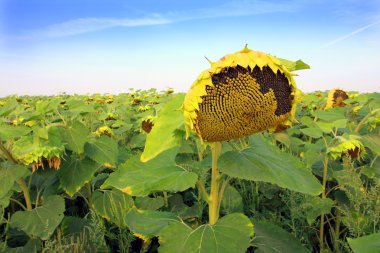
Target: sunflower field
{"x": 149, "y": 171}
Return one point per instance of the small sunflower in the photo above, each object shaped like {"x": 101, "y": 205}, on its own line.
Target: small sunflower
{"x": 147, "y": 124}
{"x": 335, "y": 98}
{"x": 241, "y": 94}
{"x": 351, "y": 147}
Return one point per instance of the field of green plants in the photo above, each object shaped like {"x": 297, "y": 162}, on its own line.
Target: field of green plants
{"x": 115, "y": 173}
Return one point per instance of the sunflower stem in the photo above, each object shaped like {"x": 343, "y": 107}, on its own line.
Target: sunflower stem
{"x": 321, "y": 228}
{"x": 25, "y": 191}
{"x": 213, "y": 210}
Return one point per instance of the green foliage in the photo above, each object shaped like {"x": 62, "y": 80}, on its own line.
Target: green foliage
{"x": 365, "y": 244}
{"x": 41, "y": 221}
{"x": 270, "y": 238}
{"x": 230, "y": 234}
{"x": 78, "y": 174}
{"x": 264, "y": 162}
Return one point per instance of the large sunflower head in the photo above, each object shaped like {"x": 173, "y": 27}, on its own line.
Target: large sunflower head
{"x": 241, "y": 94}
{"x": 335, "y": 98}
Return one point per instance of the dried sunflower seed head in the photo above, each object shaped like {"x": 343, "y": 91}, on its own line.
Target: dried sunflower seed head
{"x": 241, "y": 94}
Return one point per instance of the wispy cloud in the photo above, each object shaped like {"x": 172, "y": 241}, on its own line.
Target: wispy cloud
{"x": 237, "y": 8}
{"x": 85, "y": 25}
{"x": 349, "y": 35}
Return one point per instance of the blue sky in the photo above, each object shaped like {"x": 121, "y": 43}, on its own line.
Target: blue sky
{"x": 99, "y": 46}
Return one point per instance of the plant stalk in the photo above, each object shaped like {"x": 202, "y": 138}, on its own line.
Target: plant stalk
{"x": 89, "y": 194}
{"x": 25, "y": 191}
{"x": 213, "y": 210}
{"x": 321, "y": 228}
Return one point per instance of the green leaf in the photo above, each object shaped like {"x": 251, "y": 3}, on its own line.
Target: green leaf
{"x": 293, "y": 65}
{"x": 231, "y": 234}
{"x": 315, "y": 206}
{"x": 331, "y": 114}
{"x": 372, "y": 141}
{"x": 76, "y": 136}
{"x": 177, "y": 206}
{"x": 8, "y": 107}
{"x": 10, "y": 132}
{"x": 160, "y": 174}
{"x": 162, "y": 136}
{"x": 9, "y": 174}
{"x": 41, "y": 221}
{"x": 312, "y": 132}
{"x": 365, "y": 244}
{"x": 74, "y": 173}
{"x": 103, "y": 151}
{"x": 270, "y": 238}
{"x": 148, "y": 223}
{"x": 112, "y": 205}
{"x": 340, "y": 123}
{"x": 265, "y": 162}
{"x": 326, "y": 127}
{"x": 33, "y": 245}
{"x": 147, "y": 203}
{"x": 232, "y": 201}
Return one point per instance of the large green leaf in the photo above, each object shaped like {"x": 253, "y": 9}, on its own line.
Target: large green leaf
{"x": 9, "y": 174}
{"x": 112, "y": 205}
{"x": 265, "y": 162}
{"x": 160, "y": 174}
{"x": 312, "y": 132}
{"x": 11, "y": 132}
{"x": 103, "y": 150}
{"x": 365, "y": 244}
{"x": 76, "y": 136}
{"x": 162, "y": 136}
{"x": 148, "y": 223}
{"x": 372, "y": 141}
{"x": 231, "y": 234}
{"x": 331, "y": 114}
{"x": 270, "y": 238}
{"x": 41, "y": 221}
{"x": 74, "y": 173}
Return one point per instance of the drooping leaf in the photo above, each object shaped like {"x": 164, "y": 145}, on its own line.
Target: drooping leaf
{"x": 159, "y": 174}
{"x": 33, "y": 245}
{"x": 74, "y": 173}
{"x": 112, "y": 205}
{"x": 265, "y": 162}
{"x": 365, "y": 244}
{"x": 162, "y": 136}
{"x": 177, "y": 206}
{"x": 76, "y": 136}
{"x": 103, "y": 151}
{"x": 270, "y": 238}
{"x": 231, "y": 234}
{"x": 148, "y": 223}
{"x": 41, "y": 221}
{"x": 9, "y": 174}
{"x": 10, "y": 132}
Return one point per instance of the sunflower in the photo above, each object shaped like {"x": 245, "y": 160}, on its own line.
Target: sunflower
{"x": 335, "y": 98}
{"x": 243, "y": 93}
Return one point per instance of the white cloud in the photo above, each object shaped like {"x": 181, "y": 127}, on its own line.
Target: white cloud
{"x": 237, "y": 8}
{"x": 349, "y": 35}
{"x": 85, "y": 25}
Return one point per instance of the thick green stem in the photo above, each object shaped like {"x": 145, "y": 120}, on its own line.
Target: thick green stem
{"x": 89, "y": 194}
{"x": 321, "y": 228}
{"x": 25, "y": 190}
{"x": 214, "y": 193}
